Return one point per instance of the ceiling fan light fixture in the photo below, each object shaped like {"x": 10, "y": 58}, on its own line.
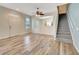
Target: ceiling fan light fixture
{"x": 39, "y": 13}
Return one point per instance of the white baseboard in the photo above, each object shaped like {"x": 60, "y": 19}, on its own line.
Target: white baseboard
{"x": 4, "y": 37}
{"x": 76, "y": 48}
{"x": 75, "y": 44}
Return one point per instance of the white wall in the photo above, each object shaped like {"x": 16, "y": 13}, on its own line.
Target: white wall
{"x": 38, "y": 25}
{"x": 4, "y": 29}
{"x": 10, "y": 18}
{"x": 73, "y": 20}
{"x": 17, "y": 24}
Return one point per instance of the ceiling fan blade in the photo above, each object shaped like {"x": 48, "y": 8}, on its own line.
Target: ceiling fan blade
{"x": 49, "y": 14}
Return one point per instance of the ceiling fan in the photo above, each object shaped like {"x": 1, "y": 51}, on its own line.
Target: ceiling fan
{"x": 39, "y": 13}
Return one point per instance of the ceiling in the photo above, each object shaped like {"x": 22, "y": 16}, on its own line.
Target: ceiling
{"x": 30, "y": 8}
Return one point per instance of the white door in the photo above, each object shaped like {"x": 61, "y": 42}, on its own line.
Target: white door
{"x": 36, "y": 25}
{"x": 14, "y": 25}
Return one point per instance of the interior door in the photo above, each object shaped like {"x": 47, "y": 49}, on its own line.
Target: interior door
{"x": 36, "y": 25}
{"x": 14, "y": 25}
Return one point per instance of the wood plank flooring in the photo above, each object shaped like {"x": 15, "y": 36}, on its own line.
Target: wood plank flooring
{"x": 35, "y": 44}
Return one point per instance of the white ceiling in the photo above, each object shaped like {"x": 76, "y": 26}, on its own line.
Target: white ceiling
{"x": 30, "y": 8}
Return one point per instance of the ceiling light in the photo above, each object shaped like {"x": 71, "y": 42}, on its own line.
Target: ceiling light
{"x": 17, "y": 9}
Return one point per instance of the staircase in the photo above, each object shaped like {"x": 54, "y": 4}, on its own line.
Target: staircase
{"x": 63, "y": 32}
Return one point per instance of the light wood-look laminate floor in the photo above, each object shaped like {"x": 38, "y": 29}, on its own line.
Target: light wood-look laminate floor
{"x": 35, "y": 44}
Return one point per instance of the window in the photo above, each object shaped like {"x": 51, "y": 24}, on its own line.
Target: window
{"x": 27, "y": 22}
